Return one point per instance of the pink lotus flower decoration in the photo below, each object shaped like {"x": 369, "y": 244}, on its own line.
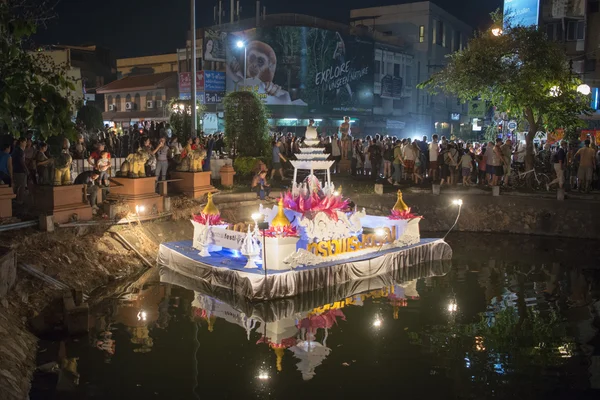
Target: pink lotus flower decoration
{"x": 284, "y": 231}
{"x": 403, "y": 215}
{"x": 212, "y": 219}
{"x": 288, "y": 342}
{"x": 314, "y": 204}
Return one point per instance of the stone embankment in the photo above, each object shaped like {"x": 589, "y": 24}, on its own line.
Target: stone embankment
{"x": 531, "y": 215}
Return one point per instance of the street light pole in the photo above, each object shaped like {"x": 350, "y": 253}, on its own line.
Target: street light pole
{"x": 193, "y": 69}
{"x": 241, "y": 44}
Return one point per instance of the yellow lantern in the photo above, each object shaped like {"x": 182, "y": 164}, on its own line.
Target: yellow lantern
{"x": 400, "y": 204}
{"x": 210, "y": 208}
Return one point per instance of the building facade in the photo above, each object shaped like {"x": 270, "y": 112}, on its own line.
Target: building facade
{"x": 62, "y": 58}
{"x": 140, "y": 98}
{"x": 431, "y": 35}
{"x": 304, "y": 67}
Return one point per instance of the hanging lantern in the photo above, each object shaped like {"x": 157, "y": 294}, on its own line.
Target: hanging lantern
{"x": 400, "y": 204}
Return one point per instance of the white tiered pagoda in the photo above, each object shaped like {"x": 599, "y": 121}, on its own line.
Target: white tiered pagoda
{"x": 312, "y": 158}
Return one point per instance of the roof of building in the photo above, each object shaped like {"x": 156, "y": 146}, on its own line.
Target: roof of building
{"x": 140, "y": 82}
{"x": 271, "y": 20}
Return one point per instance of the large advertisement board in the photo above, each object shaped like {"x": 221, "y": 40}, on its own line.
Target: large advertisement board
{"x": 215, "y": 45}
{"x": 320, "y": 70}
{"x": 521, "y": 12}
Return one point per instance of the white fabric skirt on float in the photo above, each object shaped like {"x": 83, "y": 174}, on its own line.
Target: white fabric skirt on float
{"x": 225, "y": 270}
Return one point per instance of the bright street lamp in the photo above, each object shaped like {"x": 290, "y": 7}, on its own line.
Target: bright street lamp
{"x": 584, "y": 89}
{"x": 496, "y": 31}
{"x": 241, "y": 44}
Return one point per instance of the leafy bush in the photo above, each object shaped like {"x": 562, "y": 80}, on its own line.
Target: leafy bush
{"x": 90, "y": 117}
{"x": 246, "y": 124}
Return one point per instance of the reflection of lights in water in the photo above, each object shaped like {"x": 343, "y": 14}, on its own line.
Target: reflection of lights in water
{"x": 377, "y": 323}
{"x": 452, "y": 307}
{"x": 263, "y": 376}
{"x": 479, "y": 343}
{"x": 141, "y": 316}
{"x": 565, "y": 352}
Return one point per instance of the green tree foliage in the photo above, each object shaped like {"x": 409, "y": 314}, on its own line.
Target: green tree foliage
{"x": 246, "y": 124}
{"x": 90, "y": 117}
{"x": 520, "y": 72}
{"x": 180, "y": 118}
{"x": 31, "y": 86}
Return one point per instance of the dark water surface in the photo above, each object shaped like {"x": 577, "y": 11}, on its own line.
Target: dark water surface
{"x": 511, "y": 317}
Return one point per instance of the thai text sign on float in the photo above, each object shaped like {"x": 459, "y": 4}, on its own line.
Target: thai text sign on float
{"x": 350, "y": 244}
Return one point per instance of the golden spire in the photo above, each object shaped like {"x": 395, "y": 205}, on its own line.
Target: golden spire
{"x": 279, "y": 352}
{"x": 210, "y": 208}
{"x": 280, "y": 220}
{"x": 400, "y": 204}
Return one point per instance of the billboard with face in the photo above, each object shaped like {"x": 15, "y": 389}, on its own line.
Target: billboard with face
{"x": 320, "y": 70}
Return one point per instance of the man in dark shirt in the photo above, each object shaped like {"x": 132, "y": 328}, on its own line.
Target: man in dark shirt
{"x": 559, "y": 162}
{"x": 19, "y": 170}
{"x": 89, "y": 178}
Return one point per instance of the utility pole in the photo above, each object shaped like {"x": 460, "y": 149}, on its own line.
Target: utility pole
{"x": 193, "y": 69}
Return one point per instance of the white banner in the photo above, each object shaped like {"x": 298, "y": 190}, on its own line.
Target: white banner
{"x": 227, "y": 238}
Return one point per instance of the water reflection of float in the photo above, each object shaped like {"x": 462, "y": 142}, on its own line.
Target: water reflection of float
{"x": 301, "y": 325}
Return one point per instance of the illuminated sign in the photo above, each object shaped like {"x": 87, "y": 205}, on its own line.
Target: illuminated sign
{"x": 347, "y": 245}
{"x": 521, "y": 12}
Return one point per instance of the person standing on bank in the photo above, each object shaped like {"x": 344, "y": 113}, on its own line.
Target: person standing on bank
{"x": 587, "y": 165}
{"x": 162, "y": 162}
{"x": 559, "y": 162}
{"x": 277, "y": 158}
{"x": 89, "y": 178}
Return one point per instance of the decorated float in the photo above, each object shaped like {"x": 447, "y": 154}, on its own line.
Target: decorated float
{"x": 312, "y": 239}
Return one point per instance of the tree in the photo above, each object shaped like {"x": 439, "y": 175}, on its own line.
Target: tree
{"x": 520, "y": 72}
{"x": 90, "y": 117}
{"x": 180, "y": 118}
{"x": 246, "y": 124}
{"x": 31, "y": 86}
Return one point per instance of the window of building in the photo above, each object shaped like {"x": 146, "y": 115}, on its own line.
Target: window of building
{"x": 118, "y": 102}
{"x": 554, "y": 31}
{"x": 440, "y": 34}
{"x": 397, "y": 70}
{"x": 575, "y": 30}
{"x": 377, "y": 66}
{"x": 422, "y": 34}
{"x": 590, "y": 65}
{"x": 389, "y": 68}
{"x": 456, "y": 41}
{"x": 593, "y": 6}
{"x": 377, "y": 101}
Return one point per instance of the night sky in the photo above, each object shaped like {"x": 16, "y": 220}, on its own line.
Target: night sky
{"x": 145, "y": 27}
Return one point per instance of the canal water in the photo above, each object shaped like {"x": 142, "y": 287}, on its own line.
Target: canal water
{"x": 510, "y": 317}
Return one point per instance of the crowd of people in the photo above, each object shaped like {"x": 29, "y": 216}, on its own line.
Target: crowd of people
{"x": 451, "y": 162}
{"x": 26, "y": 163}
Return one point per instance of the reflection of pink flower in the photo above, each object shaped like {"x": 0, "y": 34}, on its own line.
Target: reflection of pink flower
{"x": 212, "y": 219}
{"x": 403, "y": 215}
{"x": 284, "y": 231}
{"x": 313, "y": 203}
{"x": 285, "y": 343}
{"x": 325, "y": 320}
